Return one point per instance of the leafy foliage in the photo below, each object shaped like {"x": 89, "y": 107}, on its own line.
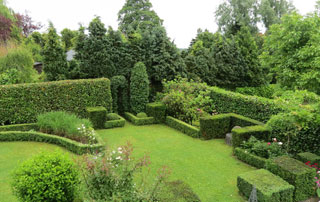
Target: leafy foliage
{"x": 291, "y": 50}
{"x": 67, "y": 37}
{"x": 120, "y": 94}
{"x": 139, "y": 88}
{"x": 46, "y": 177}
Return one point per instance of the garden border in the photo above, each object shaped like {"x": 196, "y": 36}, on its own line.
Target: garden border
{"x": 139, "y": 121}
{"x": 183, "y": 127}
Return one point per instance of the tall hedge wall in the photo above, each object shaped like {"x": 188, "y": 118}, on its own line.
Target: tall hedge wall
{"x": 21, "y": 103}
{"x": 257, "y": 108}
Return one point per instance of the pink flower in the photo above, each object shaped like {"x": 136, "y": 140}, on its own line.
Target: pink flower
{"x": 269, "y": 143}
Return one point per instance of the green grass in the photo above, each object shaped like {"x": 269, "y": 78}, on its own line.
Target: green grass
{"x": 11, "y": 154}
{"x": 207, "y": 166}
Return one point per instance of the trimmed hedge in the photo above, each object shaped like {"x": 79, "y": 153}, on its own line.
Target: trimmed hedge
{"x": 22, "y": 103}
{"x": 118, "y": 122}
{"x": 218, "y": 125}
{"x": 239, "y": 135}
{"x": 157, "y": 110}
{"x": 73, "y": 146}
{"x": 296, "y": 173}
{"x": 254, "y": 107}
{"x": 138, "y": 121}
{"x": 20, "y": 127}
{"x": 97, "y": 116}
{"x": 270, "y": 188}
{"x": 249, "y": 158}
{"x": 307, "y": 156}
{"x": 183, "y": 127}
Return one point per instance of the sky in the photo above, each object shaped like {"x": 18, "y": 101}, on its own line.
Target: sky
{"x": 182, "y": 18}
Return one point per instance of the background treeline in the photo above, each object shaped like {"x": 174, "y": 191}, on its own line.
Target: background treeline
{"x": 239, "y": 54}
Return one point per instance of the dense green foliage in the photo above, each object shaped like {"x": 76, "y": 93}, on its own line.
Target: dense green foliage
{"x": 266, "y": 91}
{"x": 46, "y": 177}
{"x": 270, "y": 188}
{"x": 291, "y": 50}
{"x": 139, "y": 88}
{"x": 63, "y": 124}
{"x": 17, "y": 67}
{"x": 70, "y": 145}
{"x": 157, "y": 110}
{"x": 120, "y": 94}
{"x": 20, "y": 127}
{"x": 114, "y": 120}
{"x": 97, "y": 116}
{"x": 54, "y": 58}
{"x": 239, "y": 135}
{"x": 67, "y": 38}
{"x": 138, "y": 121}
{"x": 23, "y": 102}
{"x": 249, "y": 158}
{"x": 307, "y": 156}
{"x": 296, "y": 173}
{"x": 183, "y": 127}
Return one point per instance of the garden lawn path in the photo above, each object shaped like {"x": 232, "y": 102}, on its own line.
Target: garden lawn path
{"x": 207, "y": 166}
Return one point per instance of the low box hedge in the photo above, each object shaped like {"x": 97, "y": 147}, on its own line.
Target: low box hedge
{"x": 114, "y": 123}
{"x": 270, "y": 188}
{"x": 97, "y": 116}
{"x": 19, "y": 127}
{"x": 239, "y": 135}
{"x": 249, "y": 158}
{"x": 158, "y": 111}
{"x": 138, "y": 121}
{"x": 73, "y": 146}
{"x": 183, "y": 127}
{"x": 307, "y": 156}
{"x": 218, "y": 126}
{"x": 21, "y": 103}
{"x": 296, "y": 173}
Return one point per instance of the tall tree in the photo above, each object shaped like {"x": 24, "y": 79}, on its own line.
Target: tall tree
{"x": 137, "y": 14}
{"x": 54, "y": 57}
{"x": 232, "y": 14}
{"x": 271, "y": 11}
{"x": 67, "y": 37}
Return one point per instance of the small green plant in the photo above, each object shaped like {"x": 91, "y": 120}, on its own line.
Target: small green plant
{"x": 110, "y": 176}
{"x": 112, "y": 116}
{"x": 66, "y": 125}
{"x": 264, "y": 149}
{"x": 46, "y": 177}
{"x": 142, "y": 115}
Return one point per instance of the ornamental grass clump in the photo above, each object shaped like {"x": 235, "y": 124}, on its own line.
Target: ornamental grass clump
{"x": 66, "y": 125}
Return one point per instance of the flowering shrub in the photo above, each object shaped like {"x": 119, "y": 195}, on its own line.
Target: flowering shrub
{"x": 89, "y": 133}
{"x": 110, "y": 176}
{"x": 317, "y": 178}
{"x": 264, "y": 149}
{"x": 186, "y": 100}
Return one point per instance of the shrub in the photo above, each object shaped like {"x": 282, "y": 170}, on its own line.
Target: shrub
{"x": 120, "y": 95}
{"x": 157, "y": 110}
{"x": 270, "y": 188}
{"x": 46, "y": 177}
{"x": 97, "y": 116}
{"x": 142, "y": 115}
{"x": 20, "y": 127}
{"x": 296, "y": 173}
{"x": 139, "y": 121}
{"x": 183, "y": 127}
{"x": 216, "y": 126}
{"x": 308, "y": 157}
{"x": 18, "y": 67}
{"x": 239, "y": 135}
{"x": 186, "y": 100}
{"x": 139, "y": 88}
{"x": 64, "y": 125}
{"x": 266, "y": 91}
{"x": 114, "y": 120}
{"x": 249, "y": 158}
{"x": 110, "y": 176}
{"x": 73, "y": 146}
{"x": 23, "y": 102}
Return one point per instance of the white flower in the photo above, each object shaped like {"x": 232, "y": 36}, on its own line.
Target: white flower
{"x": 118, "y": 158}
{"x": 113, "y": 152}
{"x": 280, "y": 143}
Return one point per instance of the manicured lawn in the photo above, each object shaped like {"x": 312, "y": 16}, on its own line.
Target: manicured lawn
{"x": 11, "y": 154}
{"x": 207, "y": 166}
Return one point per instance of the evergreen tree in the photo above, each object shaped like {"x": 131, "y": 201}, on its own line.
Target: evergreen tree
{"x": 137, "y": 14}
{"x": 67, "y": 37}
{"x": 54, "y": 57}
{"x": 139, "y": 88}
